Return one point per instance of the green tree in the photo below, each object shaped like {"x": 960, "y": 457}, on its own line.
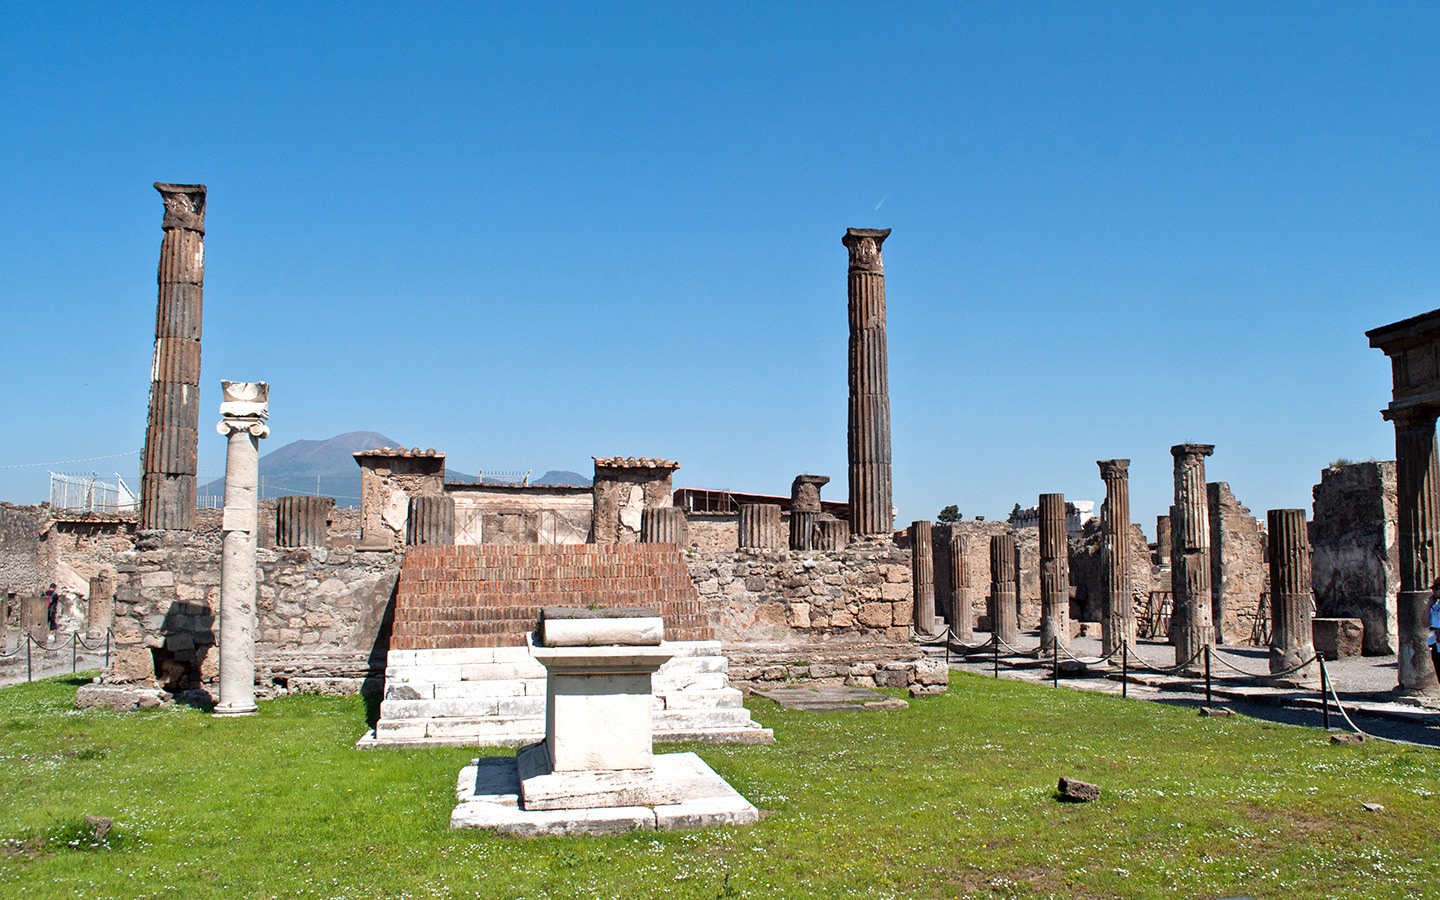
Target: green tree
{"x": 950, "y": 513}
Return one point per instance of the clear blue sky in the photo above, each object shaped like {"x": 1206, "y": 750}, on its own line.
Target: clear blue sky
{"x": 531, "y": 234}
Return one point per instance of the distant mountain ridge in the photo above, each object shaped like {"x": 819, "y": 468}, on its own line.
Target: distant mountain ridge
{"x": 328, "y": 468}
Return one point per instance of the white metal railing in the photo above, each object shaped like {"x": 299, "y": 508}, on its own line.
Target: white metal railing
{"x": 78, "y": 492}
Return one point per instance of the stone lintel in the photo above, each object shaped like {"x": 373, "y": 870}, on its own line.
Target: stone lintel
{"x": 1407, "y": 333}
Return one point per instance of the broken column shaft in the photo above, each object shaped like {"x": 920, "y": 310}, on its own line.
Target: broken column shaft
{"x": 805, "y": 510}
{"x": 1191, "y": 627}
{"x": 167, "y": 482}
{"x": 1054, "y": 574}
{"x": 244, "y": 411}
{"x": 1291, "y": 639}
{"x": 1117, "y": 625}
{"x": 868, "y": 438}
{"x": 962, "y": 618}
{"x": 922, "y": 570}
{"x": 760, "y": 526}
{"x": 1004, "y": 616}
{"x": 664, "y": 525}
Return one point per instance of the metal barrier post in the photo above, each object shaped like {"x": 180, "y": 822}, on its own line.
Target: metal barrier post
{"x": 995, "y": 641}
{"x": 1207, "y": 675}
{"x": 1324, "y": 694}
{"x": 1124, "y": 668}
{"x": 107, "y": 648}
{"x": 74, "y": 652}
{"x": 29, "y": 666}
{"x": 1055, "y": 660}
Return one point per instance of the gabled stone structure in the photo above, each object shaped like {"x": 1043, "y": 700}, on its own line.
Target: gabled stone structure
{"x": 624, "y": 487}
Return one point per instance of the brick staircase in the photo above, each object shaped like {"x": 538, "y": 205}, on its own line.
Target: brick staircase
{"x": 459, "y": 670}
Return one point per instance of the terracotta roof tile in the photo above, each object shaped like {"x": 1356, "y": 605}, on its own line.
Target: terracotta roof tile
{"x": 632, "y": 462}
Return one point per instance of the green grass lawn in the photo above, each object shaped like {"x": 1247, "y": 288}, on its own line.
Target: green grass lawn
{"x": 954, "y": 796}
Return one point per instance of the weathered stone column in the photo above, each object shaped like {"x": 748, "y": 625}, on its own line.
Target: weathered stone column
{"x": 1417, "y": 482}
{"x": 962, "y": 617}
{"x": 101, "y": 612}
{"x": 431, "y": 520}
{"x": 303, "y": 521}
{"x": 760, "y": 526}
{"x": 664, "y": 525}
{"x": 1190, "y": 624}
{"x": 172, "y": 428}
{"x": 244, "y": 410}
{"x": 831, "y": 533}
{"x": 869, "y": 430}
{"x": 1004, "y": 616}
{"x": 922, "y": 569}
{"x": 1054, "y": 573}
{"x": 1291, "y": 638}
{"x": 1164, "y": 543}
{"x": 624, "y": 486}
{"x": 805, "y": 510}
{"x": 802, "y": 529}
{"x": 1118, "y": 624}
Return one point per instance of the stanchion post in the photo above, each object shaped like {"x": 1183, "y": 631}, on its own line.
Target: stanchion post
{"x": 1324, "y": 694}
{"x": 995, "y": 641}
{"x": 74, "y": 652}
{"x": 29, "y": 666}
{"x": 107, "y": 648}
{"x": 1207, "y": 675}
{"x": 1124, "y": 668}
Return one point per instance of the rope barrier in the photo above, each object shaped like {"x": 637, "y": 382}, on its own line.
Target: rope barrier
{"x": 1262, "y": 675}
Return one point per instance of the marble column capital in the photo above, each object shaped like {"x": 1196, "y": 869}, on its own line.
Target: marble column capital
{"x": 256, "y": 427}
{"x": 184, "y": 206}
{"x": 1192, "y": 452}
{"x": 1113, "y": 468}
{"x": 864, "y": 246}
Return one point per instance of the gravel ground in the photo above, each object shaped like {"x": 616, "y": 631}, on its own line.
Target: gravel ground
{"x": 1363, "y": 684}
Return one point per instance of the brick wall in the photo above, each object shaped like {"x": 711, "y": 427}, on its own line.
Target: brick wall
{"x": 491, "y": 595}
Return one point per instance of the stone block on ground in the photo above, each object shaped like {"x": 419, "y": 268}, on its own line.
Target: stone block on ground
{"x": 1338, "y": 638}
{"x": 1072, "y": 790}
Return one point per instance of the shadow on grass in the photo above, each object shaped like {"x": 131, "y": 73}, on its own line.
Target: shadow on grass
{"x": 372, "y": 709}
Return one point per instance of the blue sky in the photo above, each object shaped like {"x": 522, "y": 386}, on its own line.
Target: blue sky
{"x": 531, "y": 234}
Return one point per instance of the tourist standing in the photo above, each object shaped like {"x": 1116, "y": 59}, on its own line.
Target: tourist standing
{"x": 1433, "y": 638}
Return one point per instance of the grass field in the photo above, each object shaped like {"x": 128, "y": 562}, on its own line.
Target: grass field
{"x": 954, "y": 796}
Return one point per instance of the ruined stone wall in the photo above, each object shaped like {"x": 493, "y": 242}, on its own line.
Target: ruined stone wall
{"x": 1239, "y": 568}
{"x": 322, "y": 614}
{"x": 714, "y": 532}
{"x": 1356, "y": 549}
{"x": 490, "y": 514}
{"x": 21, "y": 571}
{"x": 1027, "y": 545}
{"x": 1088, "y": 576}
{"x": 72, "y": 551}
{"x": 861, "y": 592}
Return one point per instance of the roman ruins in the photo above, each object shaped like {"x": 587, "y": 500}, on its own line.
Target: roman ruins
{"x": 425, "y": 595}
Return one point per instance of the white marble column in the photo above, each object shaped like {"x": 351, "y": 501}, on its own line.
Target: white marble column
{"x": 245, "y": 408}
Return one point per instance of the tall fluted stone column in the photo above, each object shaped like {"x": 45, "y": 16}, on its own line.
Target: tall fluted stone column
{"x": 303, "y": 521}
{"x": 245, "y": 408}
{"x": 100, "y": 614}
{"x": 1118, "y": 623}
{"x": 922, "y": 569}
{"x": 760, "y": 526}
{"x": 1191, "y": 627}
{"x": 172, "y": 428}
{"x": 869, "y": 430}
{"x": 1292, "y": 639}
{"x": 805, "y": 510}
{"x": 962, "y": 617}
{"x": 664, "y": 525}
{"x": 1417, "y": 483}
{"x": 431, "y": 520}
{"x": 1004, "y": 611}
{"x": 831, "y": 533}
{"x": 1054, "y": 573}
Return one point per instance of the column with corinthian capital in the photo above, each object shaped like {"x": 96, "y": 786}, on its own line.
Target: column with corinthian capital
{"x": 868, "y": 437}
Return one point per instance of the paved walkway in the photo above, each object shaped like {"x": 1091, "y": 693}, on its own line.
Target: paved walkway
{"x": 1364, "y": 685}
{"x": 45, "y": 661}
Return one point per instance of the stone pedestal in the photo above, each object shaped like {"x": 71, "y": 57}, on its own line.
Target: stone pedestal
{"x": 430, "y": 520}
{"x": 1117, "y": 625}
{"x": 596, "y": 769}
{"x": 1191, "y": 628}
{"x": 1338, "y": 638}
{"x": 244, "y": 411}
{"x": 1291, "y": 634}
{"x": 167, "y": 482}
{"x": 101, "y": 612}
{"x": 303, "y": 521}
{"x": 1054, "y": 573}
{"x": 760, "y": 527}
{"x": 1004, "y": 605}
{"x": 868, "y": 437}
{"x": 664, "y": 525}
